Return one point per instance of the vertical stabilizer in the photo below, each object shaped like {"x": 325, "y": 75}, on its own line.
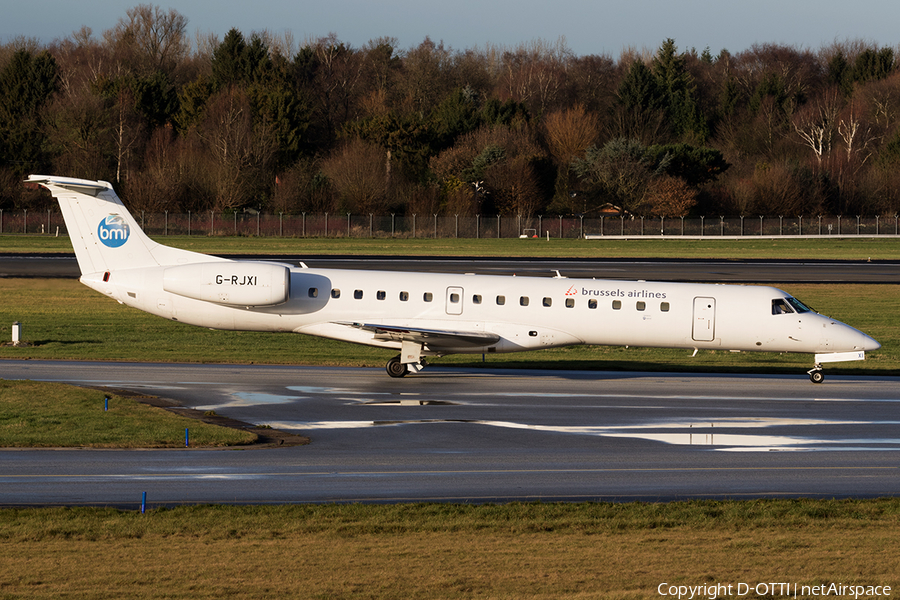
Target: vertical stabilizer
{"x": 104, "y": 234}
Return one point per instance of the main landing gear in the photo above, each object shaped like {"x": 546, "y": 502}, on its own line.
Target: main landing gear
{"x": 395, "y": 368}
{"x": 816, "y": 375}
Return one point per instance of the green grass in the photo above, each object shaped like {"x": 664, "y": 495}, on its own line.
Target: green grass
{"x": 67, "y": 321}
{"x": 445, "y": 551}
{"x": 38, "y": 415}
{"x": 747, "y": 248}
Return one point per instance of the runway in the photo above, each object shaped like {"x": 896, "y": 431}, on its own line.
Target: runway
{"x": 704, "y": 270}
{"x": 481, "y": 436}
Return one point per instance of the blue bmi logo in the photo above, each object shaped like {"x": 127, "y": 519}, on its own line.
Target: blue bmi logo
{"x": 113, "y": 231}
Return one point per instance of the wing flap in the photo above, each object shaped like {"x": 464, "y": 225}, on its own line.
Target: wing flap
{"x": 434, "y": 338}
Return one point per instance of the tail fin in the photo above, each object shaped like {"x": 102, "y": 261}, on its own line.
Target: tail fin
{"x": 104, "y": 234}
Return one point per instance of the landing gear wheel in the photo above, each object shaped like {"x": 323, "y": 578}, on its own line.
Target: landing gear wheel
{"x": 816, "y": 376}
{"x": 395, "y": 368}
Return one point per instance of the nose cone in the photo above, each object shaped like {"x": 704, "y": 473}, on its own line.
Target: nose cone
{"x": 869, "y": 343}
{"x": 849, "y": 339}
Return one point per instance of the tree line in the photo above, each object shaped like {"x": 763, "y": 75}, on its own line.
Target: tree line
{"x": 259, "y": 122}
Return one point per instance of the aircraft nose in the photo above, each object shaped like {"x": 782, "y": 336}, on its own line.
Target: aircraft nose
{"x": 859, "y": 340}
{"x": 870, "y": 343}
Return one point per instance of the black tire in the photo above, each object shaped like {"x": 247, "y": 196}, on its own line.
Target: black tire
{"x": 395, "y": 368}
{"x": 817, "y": 376}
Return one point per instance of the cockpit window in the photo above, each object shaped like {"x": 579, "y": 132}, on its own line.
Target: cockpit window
{"x": 798, "y": 306}
{"x": 780, "y": 307}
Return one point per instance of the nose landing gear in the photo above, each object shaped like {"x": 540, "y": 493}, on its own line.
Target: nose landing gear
{"x": 816, "y": 375}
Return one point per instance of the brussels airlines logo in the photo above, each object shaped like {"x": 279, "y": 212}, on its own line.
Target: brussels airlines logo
{"x": 113, "y": 231}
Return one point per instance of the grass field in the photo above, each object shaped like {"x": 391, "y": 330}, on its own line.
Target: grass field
{"x": 445, "y": 551}
{"x": 51, "y": 415}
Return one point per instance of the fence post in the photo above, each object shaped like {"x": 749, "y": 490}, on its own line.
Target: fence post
{"x": 26, "y": 220}
{"x": 348, "y": 226}
{"x": 166, "y": 229}
{"x": 761, "y": 224}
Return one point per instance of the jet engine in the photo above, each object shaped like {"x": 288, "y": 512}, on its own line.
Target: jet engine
{"x": 232, "y": 283}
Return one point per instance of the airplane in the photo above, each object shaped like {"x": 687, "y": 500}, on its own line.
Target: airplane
{"x": 426, "y": 315}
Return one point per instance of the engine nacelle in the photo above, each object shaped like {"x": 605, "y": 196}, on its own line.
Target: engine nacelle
{"x": 233, "y": 283}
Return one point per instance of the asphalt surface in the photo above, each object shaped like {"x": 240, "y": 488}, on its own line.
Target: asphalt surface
{"x": 730, "y": 271}
{"x": 479, "y": 436}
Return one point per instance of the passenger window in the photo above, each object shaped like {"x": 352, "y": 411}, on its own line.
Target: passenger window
{"x": 570, "y": 302}
{"x": 404, "y": 296}
{"x": 313, "y": 292}
{"x": 617, "y": 305}
{"x": 476, "y": 299}
{"x": 358, "y": 294}
{"x": 664, "y": 307}
{"x": 501, "y": 300}
{"x": 592, "y": 304}
{"x": 523, "y": 300}
{"x": 381, "y": 295}
{"x": 548, "y": 302}
{"x": 335, "y": 293}
{"x": 780, "y": 307}
{"x": 454, "y": 298}
{"x": 641, "y": 305}
{"x": 428, "y": 297}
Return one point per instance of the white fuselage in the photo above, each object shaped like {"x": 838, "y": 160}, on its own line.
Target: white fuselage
{"x": 525, "y": 312}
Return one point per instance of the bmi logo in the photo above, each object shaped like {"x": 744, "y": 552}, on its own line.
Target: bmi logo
{"x": 113, "y": 231}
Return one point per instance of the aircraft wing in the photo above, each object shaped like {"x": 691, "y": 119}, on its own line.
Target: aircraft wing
{"x": 434, "y": 338}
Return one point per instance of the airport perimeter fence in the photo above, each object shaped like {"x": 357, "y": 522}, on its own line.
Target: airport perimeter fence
{"x": 440, "y": 226}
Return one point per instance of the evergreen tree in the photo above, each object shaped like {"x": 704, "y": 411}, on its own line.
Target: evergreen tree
{"x": 26, "y": 85}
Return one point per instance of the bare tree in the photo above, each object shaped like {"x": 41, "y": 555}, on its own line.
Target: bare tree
{"x": 149, "y": 39}
{"x": 569, "y": 133}
{"x": 356, "y": 170}
{"x": 240, "y": 151}
{"x": 816, "y": 123}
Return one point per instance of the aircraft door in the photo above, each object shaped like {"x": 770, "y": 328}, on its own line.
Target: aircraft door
{"x": 704, "y": 319}
{"x": 454, "y": 300}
